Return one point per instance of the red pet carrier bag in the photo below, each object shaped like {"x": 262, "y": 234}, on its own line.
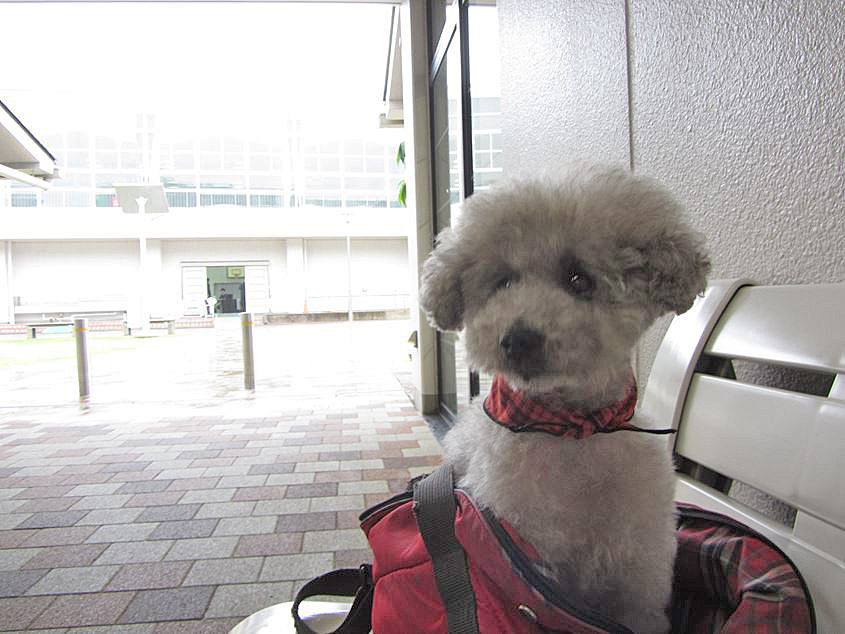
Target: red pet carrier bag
{"x": 442, "y": 565}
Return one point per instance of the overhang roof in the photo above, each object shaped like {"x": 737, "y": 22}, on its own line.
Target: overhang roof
{"x": 392, "y": 114}
{"x": 23, "y": 158}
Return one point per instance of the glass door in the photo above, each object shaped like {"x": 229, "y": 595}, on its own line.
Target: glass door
{"x": 461, "y": 120}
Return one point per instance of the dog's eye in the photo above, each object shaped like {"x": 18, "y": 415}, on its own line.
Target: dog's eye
{"x": 506, "y": 281}
{"x": 579, "y": 283}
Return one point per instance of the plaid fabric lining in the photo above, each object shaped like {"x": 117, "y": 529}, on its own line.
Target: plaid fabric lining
{"x": 729, "y": 582}
{"x": 519, "y": 413}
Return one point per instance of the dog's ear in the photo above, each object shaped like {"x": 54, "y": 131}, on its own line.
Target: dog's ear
{"x": 671, "y": 270}
{"x": 441, "y": 296}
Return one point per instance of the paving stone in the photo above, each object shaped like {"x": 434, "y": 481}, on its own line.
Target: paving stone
{"x": 148, "y": 576}
{"x": 289, "y": 478}
{"x": 73, "y": 580}
{"x": 144, "y": 486}
{"x": 364, "y": 486}
{"x": 225, "y": 509}
{"x": 269, "y": 544}
{"x": 14, "y": 583}
{"x": 244, "y": 599}
{"x": 338, "y": 503}
{"x": 207, "y": 495}
{"x": 106, "y": 488}
{"x": 205, "y": 626}
{"x": 133, "y": 552}
{"x": 300, "y": 522}
{"x": 259, "y": 493}
{"x": 16, "y": 558}
{"x": 53, "y": 519}
{"x": 193, "y": 484}
{"x": 64, "y": 556}
{"x": 184, "y": 529}
{"x": 156, "y": 498}
{"x": 218, "y": 571}
{"x": 168, "y": 605}
{"x": 110, "y": 516}
{"x": 13, "y": 520}
{"x": 281, "y": 507}
{"x": 18, "y": 613}
{"x": 47, "y": 504}
{"x": 83, "y": 609}
{"x": 59, "y": 536}
{"x": 202, "y": 548}
{"x": 169, "y": 513}
{"x": 245, "y": 525}
{"x": 317, "y": 489}
{"x": 339, "y": 539}
{"x": 289, "y": 567}
{"x": 101, "y": 502}
{"x": 276, "y": 467}
{"x": 122, "y": 533}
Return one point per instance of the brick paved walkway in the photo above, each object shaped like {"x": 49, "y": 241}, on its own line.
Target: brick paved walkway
{"x": 181, "y": 518}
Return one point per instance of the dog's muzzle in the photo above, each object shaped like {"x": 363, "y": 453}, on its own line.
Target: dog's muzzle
{"x": 523, "y": 350}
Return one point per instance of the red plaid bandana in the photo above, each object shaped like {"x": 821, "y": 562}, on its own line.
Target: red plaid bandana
{"x": 518, "y": 412}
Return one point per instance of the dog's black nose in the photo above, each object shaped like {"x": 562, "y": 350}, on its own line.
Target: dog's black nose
{"x": 520, "y": 342}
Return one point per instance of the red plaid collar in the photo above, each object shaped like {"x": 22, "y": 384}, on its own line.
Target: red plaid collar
{"x": 518, "y": 412}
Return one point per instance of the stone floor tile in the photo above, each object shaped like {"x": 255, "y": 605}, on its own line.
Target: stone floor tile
{"x": 300, "y": 522}
{"x": 331, "y": 465}
{"x": 110, "y": 516}
{"x": 122, "y": 533}
{"x": 16, "y": 558}
{"x": 83, "y": 609}
{"x": 203, "y": 496}
{"x": 184, "y": 529}
{"x": 338, "y": 503}
{"x": 253, "y": 493}
{"x": 269, "y": 544}
{"x": 281, "y": 507}
{"x": 149, "y": 576}
{"x": 169, "y": 513}
{"x": 47, "y": 504}
{"x": 363, "y": 486}
{"x": 155, "y": 498}
{"x": 59, "y": 536}
{"x": 337, "y": 476}
{"x": 218, "y": 571}
{"x": 106, "y": 488}
{"x": 202, "y": 548}
{"x": 73, "y": 580}
{"x": 193, "y": 484}
{"x": 289, "y": 567}
{"x": 65, "y": 556}
{"x": 133, "y": 552}
{"x": 314, "y": 490}
{"x": 101, "y": 502}
{"x": 244, "y": 599}
{"x": 289, "y": 478}
{"x": 18, "y": 613}
{"x": 205, "y": 626}
{"x": 14, "y": 583}
{"x": 52, "y": 519}
{"x": 352, "y": 558}
{"x": 143, "y": 486}
{"x": 225, "y": 509}
{"x": 339, "y": 539}
{"x": 134, "y": 628}
{"x": 168, "y": 605}
{"x": 13, "y": 520}
{"x": 245, "y": 526}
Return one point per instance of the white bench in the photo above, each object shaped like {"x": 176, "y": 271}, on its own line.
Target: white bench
{"x": 787, "y": 444}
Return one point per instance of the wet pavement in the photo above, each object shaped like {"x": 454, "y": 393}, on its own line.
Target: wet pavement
{"x": 180, "y": 502}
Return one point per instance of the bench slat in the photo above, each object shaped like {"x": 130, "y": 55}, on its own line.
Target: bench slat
{"x": 789, "y": 445}
{"x": 797, "y": 326}
{"x": 824, "y": 574}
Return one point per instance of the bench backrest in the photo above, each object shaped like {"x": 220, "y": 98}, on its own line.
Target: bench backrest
{"x": 785, "y": 443}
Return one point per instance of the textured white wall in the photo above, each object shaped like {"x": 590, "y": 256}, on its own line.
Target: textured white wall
{"x": 737, "y": 105}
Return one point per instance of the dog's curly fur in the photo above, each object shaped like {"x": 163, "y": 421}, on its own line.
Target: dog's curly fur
{"x": 598, "y": 510}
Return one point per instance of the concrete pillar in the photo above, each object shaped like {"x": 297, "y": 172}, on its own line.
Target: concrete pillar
{"x": 415, "y": 70}
{"x": 7, "y": 304}
{"x": 295, "y": 290}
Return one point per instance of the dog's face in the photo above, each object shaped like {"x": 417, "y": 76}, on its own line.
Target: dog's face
{"x": 555, "y": 281}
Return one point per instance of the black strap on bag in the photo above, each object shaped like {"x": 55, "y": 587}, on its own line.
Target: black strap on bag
{"x": 435, "y": 508}
{"x": 347, "y": 582}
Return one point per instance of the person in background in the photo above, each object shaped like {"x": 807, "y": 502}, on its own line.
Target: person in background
{"x": 210, "y": 301}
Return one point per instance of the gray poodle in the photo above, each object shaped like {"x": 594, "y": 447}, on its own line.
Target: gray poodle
{"x": 554, "y": 281}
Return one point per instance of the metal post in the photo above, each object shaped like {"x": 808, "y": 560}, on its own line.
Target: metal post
{"x": 80, "y": 333}
{"x": 249, "y": 359}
